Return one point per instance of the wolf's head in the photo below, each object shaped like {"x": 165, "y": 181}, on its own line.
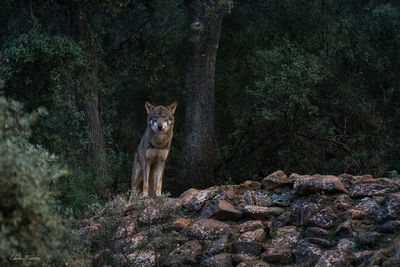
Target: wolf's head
{"x": 160, "y": 118}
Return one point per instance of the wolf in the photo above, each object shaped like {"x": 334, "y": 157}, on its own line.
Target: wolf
{"x": 152, "y": 152}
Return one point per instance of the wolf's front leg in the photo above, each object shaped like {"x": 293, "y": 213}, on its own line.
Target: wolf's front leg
{"x": 146, "y": 173}
{"x": 160, "y": 173}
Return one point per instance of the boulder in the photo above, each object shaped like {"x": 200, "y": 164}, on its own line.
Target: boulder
{"x": 209, "y": 229}
{"x": 196, "y": 201}
{"x": 284, "y": 219}
{"x": 248, "y": 248}
{"x": 332, "y": 258}
{"x": 221, "y": 210}
{"x": 277, "y": 255}
{"x": 275, "y": 180}
{"x": 307, "y": 254}
{"x": 370, "y": 189}
{"x": 389, "y": 227}
{"x": 348, "y": 180}
{"x": 250, "y": 185}
{"x": 220, "y": 260}
{"x": 219, "y": 245}
{"x": 262, "y": 213}
{"x": 179, "y": 224}
{"x": 369, "y": 238}
{"x": 278, "y": 250}
{"x": 317, "y": 232}
{"x": 368, "y": 205}
{"x": 142, "y": 258}
{"x": 391, "y": 210}
{"x": 328, "y": 184}
{"x": 343, "y": 202}
{"x": 253, "y": 263}
{"x": 320, "y": 242}
{"x": 325, "y": 218}
{"x": 249, "y": 226}
{"x": 158, "y": 212}
{"x": 257, "y": 235}
{"x": 185, "y": 254}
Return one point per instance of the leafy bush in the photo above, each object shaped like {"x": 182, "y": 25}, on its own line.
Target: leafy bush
{"x": 29, "y": 219}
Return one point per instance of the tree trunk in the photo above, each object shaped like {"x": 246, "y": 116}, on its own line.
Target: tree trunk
{"x": 197, "y": 163}
{"x": 88, "y": 100}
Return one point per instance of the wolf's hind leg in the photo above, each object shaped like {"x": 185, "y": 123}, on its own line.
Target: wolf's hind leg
{"x": 137, "y": 181}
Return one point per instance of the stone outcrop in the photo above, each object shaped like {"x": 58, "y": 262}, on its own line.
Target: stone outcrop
{"x": 296, "y": 220}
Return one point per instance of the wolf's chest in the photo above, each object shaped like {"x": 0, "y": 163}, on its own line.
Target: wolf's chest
{"x": 156, "y": 154}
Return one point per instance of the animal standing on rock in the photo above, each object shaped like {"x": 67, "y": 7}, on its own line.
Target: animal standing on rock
{"x": 149, "y": 163}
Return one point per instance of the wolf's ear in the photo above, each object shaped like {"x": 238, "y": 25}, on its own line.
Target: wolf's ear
{"x": 172, "y": 107}
{"x": 149, "y": 107}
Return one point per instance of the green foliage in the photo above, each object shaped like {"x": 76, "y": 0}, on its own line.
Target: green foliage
{"x": 29, "y": 217}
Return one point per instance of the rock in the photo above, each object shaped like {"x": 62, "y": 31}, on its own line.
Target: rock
{"x": 179, "y": 224}
{"x": 197, "y": 201}
{"x": 345, "y": 245}
{"x": 317, "y": 232}
{"x": 220, "y": 260}
{"x": 307, "y": 254}
{"x": 188, "y": 195}
{"x": 392, "y": 261}
{"x": 305, "y": 210}
{"x": 370, "y": 189}
{"x": 343, "y": 202}
{"x": 276, "y": 179}
{"x": 369, "y": 239}
{"x": 368, "y": 205}
{"x": 262, "y": 213}
{"x": 256, "y": 235}
{"x": 158, "y": 212}
{"x": 320, "y": 241}
{"x": 332, "y": 258}
{"x": 250, "y": 226}
{"x": 219, "y": 245}
{"x": 185, "y": 254}
{"x": 209, "y": 229}
{"x": 258, "y": 198}
{"x": 349, "y": 180}
{"x": 389, "y": 227}
{"x": 284, "y": 219}
{"x": 328, "y": 184}
{"x": 345, "y": 229}
{"x": 248, "y": 248}
{"x": 357, "y": 258}
{"x": 238, "y": 258}
{"x": 221, "y": 210}
{"x": 226, "y": 192}
{"x": 253, "y": 263}
{"x": 391, "y": 209}
{"x": 131, "y": 243}
{"x": 355, "y": 214}
{"x": 278, "y": 250}
{"x": 250, "y": 185}
{"x": 125, "y": 230}
{"x": 142, "y": 258}
{"x": 277, "y": 255}
{"x": 325, "y": 218}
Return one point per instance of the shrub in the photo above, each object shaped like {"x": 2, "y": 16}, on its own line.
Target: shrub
{"x": 31, "y": 228}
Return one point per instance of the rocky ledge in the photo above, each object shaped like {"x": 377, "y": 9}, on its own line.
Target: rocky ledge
{"x": 300, "y": 220}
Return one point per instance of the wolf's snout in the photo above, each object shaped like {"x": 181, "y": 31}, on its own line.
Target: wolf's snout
{"x": 160, "y": 127}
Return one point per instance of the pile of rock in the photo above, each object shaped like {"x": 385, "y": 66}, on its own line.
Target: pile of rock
{"x": 300, "y": 220}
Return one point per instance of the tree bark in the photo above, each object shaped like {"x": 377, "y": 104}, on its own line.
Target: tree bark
{"x": 198, "y": 149}
{"x": 88, "y": 100}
